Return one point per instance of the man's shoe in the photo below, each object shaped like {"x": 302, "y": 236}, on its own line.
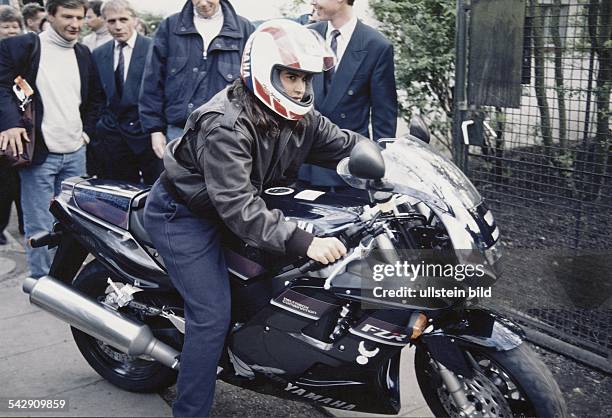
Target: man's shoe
{"x": 3, "y": 239}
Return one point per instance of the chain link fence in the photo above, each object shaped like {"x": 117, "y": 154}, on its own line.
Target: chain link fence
{"x": 545, "y": 169}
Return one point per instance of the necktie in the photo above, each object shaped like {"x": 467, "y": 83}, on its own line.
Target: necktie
{"x": 329, "y": 74}
{"x": 120, "y": 70}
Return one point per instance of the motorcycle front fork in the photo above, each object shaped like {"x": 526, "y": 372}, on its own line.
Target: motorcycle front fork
{"x": 456, "y": 390}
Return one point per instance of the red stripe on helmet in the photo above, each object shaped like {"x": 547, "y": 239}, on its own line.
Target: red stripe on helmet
{"x": 261, "y": 91}
{"x": 289, "y": 59}
{"x": 280, "y": 108}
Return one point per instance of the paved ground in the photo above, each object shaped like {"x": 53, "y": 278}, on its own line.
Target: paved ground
{"x": 38, "y": 359}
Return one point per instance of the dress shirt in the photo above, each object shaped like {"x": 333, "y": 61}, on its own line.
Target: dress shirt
{"x": 343, "y": 39}
{"x": 127, "y": 54}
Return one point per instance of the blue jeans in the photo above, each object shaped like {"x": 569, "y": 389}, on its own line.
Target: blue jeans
{"x": 39, "y": 184}
{"x": 191, "y": 249}
{"x": 173, "y": 132}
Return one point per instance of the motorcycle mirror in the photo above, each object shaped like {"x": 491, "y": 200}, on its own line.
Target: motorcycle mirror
{"x": 366, "y": 161}
{"x": 418, "y": 129}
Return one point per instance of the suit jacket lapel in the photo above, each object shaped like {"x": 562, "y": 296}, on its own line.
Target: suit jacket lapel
{"x": 351, "y": 61}
{"x": 134, "y": 75}
{"x": 318, "y": 81}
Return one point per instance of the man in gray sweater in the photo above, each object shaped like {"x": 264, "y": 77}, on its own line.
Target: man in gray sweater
{"x": 66, "y": 101}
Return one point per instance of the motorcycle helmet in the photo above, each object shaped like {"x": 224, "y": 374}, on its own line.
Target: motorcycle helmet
{"x": 283, "y": 44}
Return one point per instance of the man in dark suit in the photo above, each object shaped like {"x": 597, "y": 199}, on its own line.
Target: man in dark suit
{"x": 124, "y": 148}
{"x": 361, "y": 89}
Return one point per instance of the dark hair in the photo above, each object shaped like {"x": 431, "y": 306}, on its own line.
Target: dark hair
{"x": 266, "y": 122}
{"x": 96, "y": 6}
{"x": 52, "y": 5}
{"x": 42, "y": 23}
{"x": 350, "y": 2}
{"x": 10, "y": 14}
{"x": 30, "y": 10}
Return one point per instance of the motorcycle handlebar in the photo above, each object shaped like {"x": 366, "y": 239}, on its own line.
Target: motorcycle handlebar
{"x": 350, "y": 238}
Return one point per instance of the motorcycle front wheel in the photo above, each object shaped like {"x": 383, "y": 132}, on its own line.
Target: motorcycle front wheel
{"x": 504, "y": 384}
{"x": 130, "y": 373}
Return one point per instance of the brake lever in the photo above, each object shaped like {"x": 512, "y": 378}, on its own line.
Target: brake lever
{"x": 355, "y": 255}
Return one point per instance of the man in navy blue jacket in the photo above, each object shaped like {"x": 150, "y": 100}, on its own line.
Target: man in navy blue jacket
{"x": 66, "y": 103}
{"x": 124, "y": 146}
{"x": 195, "y": 54}
{"x": 361, "y": 89}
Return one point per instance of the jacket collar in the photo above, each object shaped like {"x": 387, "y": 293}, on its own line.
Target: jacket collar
{"x": 230, "y": 21}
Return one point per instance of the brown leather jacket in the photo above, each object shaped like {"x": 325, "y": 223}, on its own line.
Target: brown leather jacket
{"x": 221, "y": 165}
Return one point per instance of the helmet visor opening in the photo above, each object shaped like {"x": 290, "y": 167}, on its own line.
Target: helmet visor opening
{"x": 308, "y": 96}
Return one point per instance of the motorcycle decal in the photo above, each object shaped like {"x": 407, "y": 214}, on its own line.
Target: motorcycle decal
{"x": 325, "y": 383}
{"x": 306, "y": 226}
{"x": 329, "y": 402}
{"x": 279, "y": 191}
{"x": 266, "y": 370}
{"x": 240, "y": 367}
{"x": 309, "y": 195}
{"x": 302, "y": 305}
{"x": 364, "y": 354}
{"x": 381, "y": 331}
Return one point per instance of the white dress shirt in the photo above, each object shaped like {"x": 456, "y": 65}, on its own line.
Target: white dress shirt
{"x": 127, "y": 54}
{"x": 343, "y": 39}
{"x": 208, "y": 27}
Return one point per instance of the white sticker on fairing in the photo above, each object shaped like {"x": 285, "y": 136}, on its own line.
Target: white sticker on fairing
{"x": 308, "y": 195}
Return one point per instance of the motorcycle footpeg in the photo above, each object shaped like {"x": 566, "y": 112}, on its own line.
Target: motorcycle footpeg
{"x": 45, "y": 238}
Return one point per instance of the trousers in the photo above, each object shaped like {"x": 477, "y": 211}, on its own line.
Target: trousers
{"x": 191, "y": 249}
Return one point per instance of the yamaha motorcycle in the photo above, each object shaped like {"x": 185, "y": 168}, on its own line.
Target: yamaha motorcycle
{"x": 302, "y": 330}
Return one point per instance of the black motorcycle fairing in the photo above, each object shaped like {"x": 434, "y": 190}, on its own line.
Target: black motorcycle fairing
{"x": 114, "y": 247}
{"x": 472, "y": 328}
{"x": 289, "y": 342}
{"x": 272, "y": 345}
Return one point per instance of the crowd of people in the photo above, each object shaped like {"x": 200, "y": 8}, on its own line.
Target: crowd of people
{"x": 107, "y": 105}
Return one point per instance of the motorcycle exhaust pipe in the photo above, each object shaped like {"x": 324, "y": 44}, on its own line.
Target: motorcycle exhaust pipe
{"x": 89, "y": 316}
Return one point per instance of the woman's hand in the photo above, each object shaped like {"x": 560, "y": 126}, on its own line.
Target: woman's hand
{"x": 326, "y": 250}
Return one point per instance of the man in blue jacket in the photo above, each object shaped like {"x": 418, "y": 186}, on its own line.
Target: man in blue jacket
{"x": 195, "y": 54}
{"x": 66, "y": 104}
{"x": 124, "y": 147}
{"x": 361, "y": 89}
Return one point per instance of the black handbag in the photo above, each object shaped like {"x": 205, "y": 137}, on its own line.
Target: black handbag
{"x": 27, "y": 121}
{"x": 23, "y": 95}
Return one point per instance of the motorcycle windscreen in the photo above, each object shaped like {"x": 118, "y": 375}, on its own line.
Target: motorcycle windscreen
{"x": 416, "y": 169}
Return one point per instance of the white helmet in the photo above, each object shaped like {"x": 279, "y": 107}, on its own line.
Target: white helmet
{"x": 283, "y": 44}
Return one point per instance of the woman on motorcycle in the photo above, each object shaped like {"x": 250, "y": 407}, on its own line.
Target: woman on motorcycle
{"x": 253, "y": 135}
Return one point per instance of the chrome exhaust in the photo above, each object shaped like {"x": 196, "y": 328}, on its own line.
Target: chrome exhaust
{"x": 91, "y": 317}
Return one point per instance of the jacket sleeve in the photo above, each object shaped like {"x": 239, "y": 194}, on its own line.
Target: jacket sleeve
{"x": 94, "y": 101}
{"x": 151, "y": 100}
{"x": 384, "y": 96}
{"x": 10, "y": 116}
{"x": 227, "y": 163}
{"x": 330, "y": 143}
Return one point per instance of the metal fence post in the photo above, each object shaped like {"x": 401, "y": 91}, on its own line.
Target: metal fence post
{"x": 459, "y": 104}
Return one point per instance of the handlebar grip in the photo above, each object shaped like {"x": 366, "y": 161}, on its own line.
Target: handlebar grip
{"x": 309, "y": 265}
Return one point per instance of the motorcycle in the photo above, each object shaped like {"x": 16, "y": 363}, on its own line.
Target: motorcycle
{"x": 301, "y": 330}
